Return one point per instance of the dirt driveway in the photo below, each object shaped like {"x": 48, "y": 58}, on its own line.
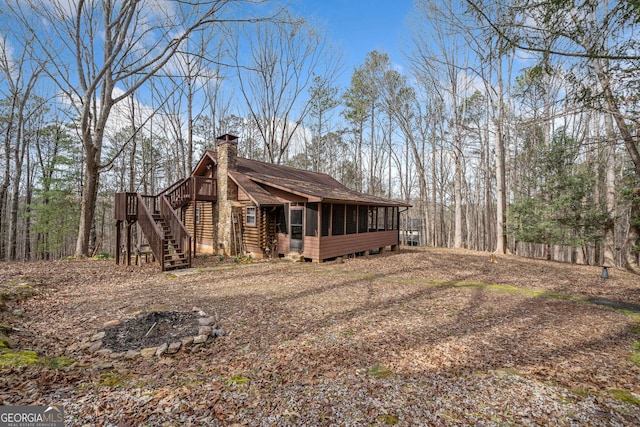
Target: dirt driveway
{"x": 423, "y": 337}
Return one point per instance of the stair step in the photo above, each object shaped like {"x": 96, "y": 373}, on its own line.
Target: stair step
{"x": 175, "y": 266}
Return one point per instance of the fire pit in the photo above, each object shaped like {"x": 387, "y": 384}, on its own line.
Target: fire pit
{"x": 156, "y": 333}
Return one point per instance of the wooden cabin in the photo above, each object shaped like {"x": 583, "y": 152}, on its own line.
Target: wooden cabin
{"x": 236, "y": 206}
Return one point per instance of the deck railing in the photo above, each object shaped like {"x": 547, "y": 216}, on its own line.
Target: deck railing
{"x": 206, "y": 188}
{"x": 180, "y": 233}
{"x": 191, "y": 189}
{"x": 126, "y": 208}
{"x": 155, "y": 236}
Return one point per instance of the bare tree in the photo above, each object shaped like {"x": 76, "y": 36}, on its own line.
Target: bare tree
{"x": 21, "y": 73}
{"x": 598, "y": 35}
{"x": 282, "y": 59}
{"x": 94, "y": 46}
{"x": 439, "y": 61}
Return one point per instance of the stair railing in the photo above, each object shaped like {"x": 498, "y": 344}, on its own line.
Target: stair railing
{"x": 179, "y": 231}
{"x": 178, "y": 194}
{"x": 155, "y": 236}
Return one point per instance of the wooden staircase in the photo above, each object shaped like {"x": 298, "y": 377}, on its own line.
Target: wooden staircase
{"x": 167, "y": 236}
{"x": 174, "y": 257}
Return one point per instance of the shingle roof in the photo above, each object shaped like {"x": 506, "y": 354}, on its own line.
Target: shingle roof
{"x": 256, "y": 177}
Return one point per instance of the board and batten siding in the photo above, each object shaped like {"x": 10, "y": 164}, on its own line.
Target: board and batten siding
{"x": 334, "y": 246}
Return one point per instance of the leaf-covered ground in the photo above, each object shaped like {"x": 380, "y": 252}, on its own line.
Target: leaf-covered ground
{"x": 424, "y": 337}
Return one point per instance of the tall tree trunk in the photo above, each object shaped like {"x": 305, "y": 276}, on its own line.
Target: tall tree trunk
{"x": 27, "y": 211}
{"x": 88, "y": 204}
{"x": 434, "y": 193}
{"x": 633, "y": 236}
{"x": 629, "y": 141}
{"x": 501, "y": 205}
{"x": 488, "y": 198}
{"x": 501, "y": 208}
{"x": 610, "y": 193}
{"x": 372, "y": 151}
{"x": 457, "y": 230}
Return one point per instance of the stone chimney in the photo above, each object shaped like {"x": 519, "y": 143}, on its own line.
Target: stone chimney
{"x": 227, "y": 151}
{"x": 227, "y": 194}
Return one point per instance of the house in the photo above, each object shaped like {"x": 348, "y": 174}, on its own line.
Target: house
{"x": 236, "y": 206}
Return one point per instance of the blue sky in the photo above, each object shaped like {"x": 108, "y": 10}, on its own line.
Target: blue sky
{"x": 360, "y": 26}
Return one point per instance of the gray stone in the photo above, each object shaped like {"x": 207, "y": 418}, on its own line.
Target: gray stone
{"x": 205, "y": 321}
{"x": 204, "y": 330}
{"x": 162, "y": 349}
{"x": 95, "y": 346}
{"x": 104, "y": 352}
{"x": 85, "y": 345}
{"x": 218, "y": 333}
{"x": 97, "y": 336}
{"x": 200, "y": 339}
{"x": 112, "y": 323}
{"x": 18, "y": 312}
{"x": 105, "y": 365}
{"x": 187, "y": 341}
{"x": 149, "y": 352}
{"x": 131, "y": 354}
{"x": 174, "y": 347}
{"x": 115, "y": 355}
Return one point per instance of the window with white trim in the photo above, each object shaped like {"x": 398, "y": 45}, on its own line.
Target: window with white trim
{"x": 250, "y": 218}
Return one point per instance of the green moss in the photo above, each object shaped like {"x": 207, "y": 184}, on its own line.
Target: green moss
{"x": 238, "y": 380}
{"x": 111, "y": 379}
{"x": 389, "y": 420}
{"x": 18, "y": 358}
{"x": 60, "y": 362}
{"x": 582, "y": 392}
{"x": 624, "y": 396}
{"x": 5, "y": 341}
{"x": 379, "y": 371}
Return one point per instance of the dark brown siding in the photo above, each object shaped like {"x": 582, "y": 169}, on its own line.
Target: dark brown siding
{"x": 333, "y": 246}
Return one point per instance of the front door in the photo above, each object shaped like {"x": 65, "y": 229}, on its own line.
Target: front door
{"x": 297, "y": 229}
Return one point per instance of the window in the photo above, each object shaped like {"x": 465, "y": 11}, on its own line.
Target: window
{"x": 337, "y": 220}
{"x": 381, "y": 218}
{"x": 251, "y": 216}
{"x": 391, "y": 218}
{"x": 362, "y": 218}
{"x": 197, "y": 213}
{"x": 352, "y": 219}
{"x": 396, "y": 215}
{"x": 373, "y": 218}
{"x": 326, "y": 218}
{"x": 281, "y": 220}
{"x": 311, "y": 228}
